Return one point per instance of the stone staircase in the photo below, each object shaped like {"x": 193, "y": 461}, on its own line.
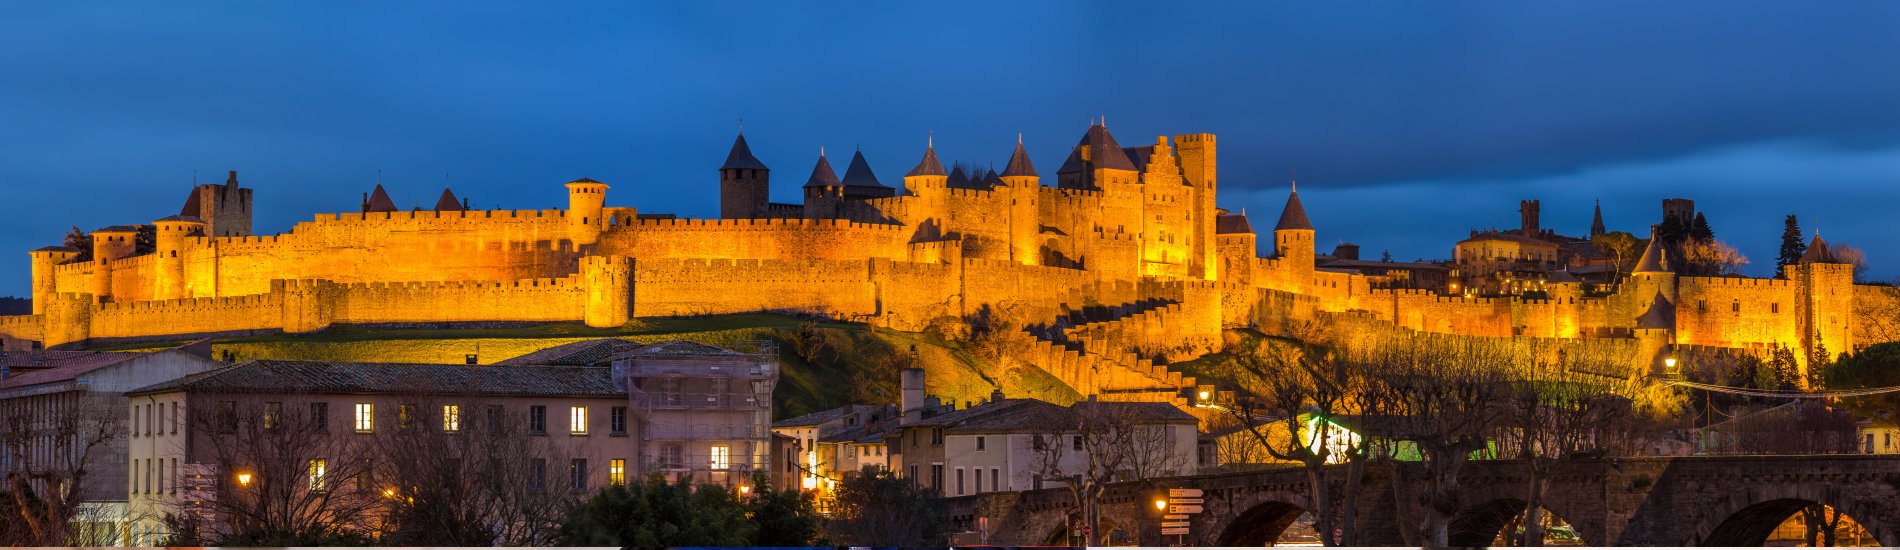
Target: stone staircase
{"x": 1090, "y": 349}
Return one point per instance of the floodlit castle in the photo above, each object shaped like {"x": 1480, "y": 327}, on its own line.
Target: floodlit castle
{"x": 1122, "y": 252}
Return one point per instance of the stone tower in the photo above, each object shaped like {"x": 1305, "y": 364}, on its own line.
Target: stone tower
{"x": 744, "y": 183}
{"x": 1198, "y": 167}
{"x": 1681, "y": 209}
{"x": 609, "y": 281}
{"x": 1293, "y": 240}
{"x": 1527, "y": 212}
{"x": 824, "y": 194}
{"x": 1022, "y": 187}
{"x": 927, "y": 185}
{"x": 45, "y": 260}
{"x": 224, "y": 209}
{"x": 108, "y": 244}
{"x": 585, "y": 198}
{"x": 1825, "y": 289}
{"x": 174, "y": 244}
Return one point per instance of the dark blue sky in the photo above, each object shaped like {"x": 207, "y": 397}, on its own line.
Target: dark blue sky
{"x": 1408, "y": 123}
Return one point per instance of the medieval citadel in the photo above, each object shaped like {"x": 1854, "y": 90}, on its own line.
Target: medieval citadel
{"x": 1134, "y": 230}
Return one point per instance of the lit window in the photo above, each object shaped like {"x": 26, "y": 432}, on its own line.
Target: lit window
{"x": 577, "y": 420}
{"x": 451, "y": 418}
{"x": 273, "y": 415}
{"x": 365, "y": 418}
{"x": 721, "y": 457}
{"x": 617, "y": 471}
{"x": 319, "y": 469}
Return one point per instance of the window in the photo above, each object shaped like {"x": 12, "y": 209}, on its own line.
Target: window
{"x": 494, "y": 419}
{"x": 978, "y": 474}
{"x": 936, "y": 436}
{"x": 319, "y": 416}
{"x": 319, "y": 472}
{"x": 148, "y": 419}
{"x": 538, "y": 419}
{"x": 672, "y": 456}
{"x": 1735, "y": 307}
{"x": 1078, "y": 443}
{"x": 617, "y": 471}
{"x": 618, "y": 418}
{"x": 913, "y": 438}
{"x": 995, "y": 484}
{"x": 959, "y": 482}
{"x": 363, "y": 481}
{"x": 577, "y": 474}
{"x": 406, "y": 416}
{"x": 227, "y": 416}
{"x": 175, "y": 413}
{"x": 1774, "y": 307}
{"x": 936, "y": 477}
{"x": 913, "y": 473}
{"x": 135, "y": 421}
{"x": 365, "y": 418}
{"x": 979, "y": 443}
{"x": 451, "y": 418}
{"x": 174, "y": 460}
{"x": 577, "y": 420}
{"x": 538, "y": 475}
{"x": 161, "y": 419}
{"x": 721, "y": 457}
{"x": 273, "y": 415}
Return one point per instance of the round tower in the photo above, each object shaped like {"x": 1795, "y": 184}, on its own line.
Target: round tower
{"x": 1022, "y": 186}
{"x": 174, "y": 238}
{"x": 45, "y": 260}
{"x": 585, "y": 198}
{"x": 1293, "y": 240}
{"x": 108, "y": 244}
{"x": 609, "y": 283}
{"x": 68, "y": 319}
{"x": 744, "y": 183}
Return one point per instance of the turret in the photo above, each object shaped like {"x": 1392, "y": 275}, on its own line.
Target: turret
{"x": 109, "y": 244}
{"x": 744, "y": 183}
{"x": 1023, "y": 187}
{"x": 861, "y": 183}
{"x": 1528, "y": 213}
{"x": 609, "y": 282}
{"x": 174, "y": 241}
{"x": 824, "y": 194}
{"x": 1097, "y": 162}
{"x": 1293, "y": 235}
{"x": 45, "y": 260}
{"x": 449, "y": 203}
{"x": 585, "y": 198}
{"x": 929, "y": 172}
{"x": 1652, "y": 274}
{"x": 1199, "y": 167}
{"x": 225, "y": 209}
{"x": 1825, "y": 287}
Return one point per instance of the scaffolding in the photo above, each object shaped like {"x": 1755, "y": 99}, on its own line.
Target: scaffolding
{"x": 705, "y": 412}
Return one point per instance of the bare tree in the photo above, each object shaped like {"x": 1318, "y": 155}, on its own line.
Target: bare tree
{"x": 1446, "y": 396}
{"x": 458, "y": 476}
{"x": 280, "y": 476}
{"x": 1710, "y": 258}
{"x": 51, "y": 442}
{"x": 1295, "y": 394}
{"x": 1109, "y": 442}
{"x": 1559, "y": 410}
{"x": 1853, "y": 256}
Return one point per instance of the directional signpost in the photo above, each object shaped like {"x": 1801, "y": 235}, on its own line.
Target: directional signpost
{"x": 1182, "y": 504}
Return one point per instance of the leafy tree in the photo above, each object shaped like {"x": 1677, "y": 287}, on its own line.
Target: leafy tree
{"x": 79, "y": 240}
{"x": 1873, "y": 367}
{"x": 1791, "y": 245}
{"x": 655, "y": 512}
{"x": 1621, "y": 247}
{"x": 784, "y": 517}
{"x": 876, "y": 507}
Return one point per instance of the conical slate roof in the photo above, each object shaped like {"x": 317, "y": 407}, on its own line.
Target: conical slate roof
{"x": 1103, "y": 151}
{"x": 379, "y": 201}
{"x": 821, "y": 175}
{"x": 1652, "y": 261}
{"x": 958, "y": 178}
{"x": 1294, "y": 215}
{"x": 1019, "y": 164}
{"x": 741, "y": 157}
{"x": 1819, "y": 253}
{"x": 929, "y": 166}
{"x": 1661, "y": 315}
{"x": 858, "y": 174}
{"x": 1596, "y": 221}
{"x": 448, "y": 202}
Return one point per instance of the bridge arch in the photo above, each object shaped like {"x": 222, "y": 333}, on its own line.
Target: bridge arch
{"x": 1749, "y": 522}
{"x": 1260, "y": 525}
{"x": 1477, "y": 525}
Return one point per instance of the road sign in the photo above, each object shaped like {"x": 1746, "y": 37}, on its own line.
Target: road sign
{"x": 1184, "y": 509}
{"x": 1190, "y": 493}
{"x": 1185, "y": 501}
{"x": 1173, "y": 517}
{"x": 1173, "y": 524}
{"x": 1175, "y": 531}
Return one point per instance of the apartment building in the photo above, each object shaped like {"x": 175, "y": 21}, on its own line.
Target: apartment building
{"x": 1024, "y": 444}
{"x": 828, "y": 445}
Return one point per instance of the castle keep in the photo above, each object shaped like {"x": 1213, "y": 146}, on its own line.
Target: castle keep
{"x": 1133, "y": 231}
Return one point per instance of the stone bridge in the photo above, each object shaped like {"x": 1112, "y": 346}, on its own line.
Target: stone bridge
{"x": 1646, "y": 501}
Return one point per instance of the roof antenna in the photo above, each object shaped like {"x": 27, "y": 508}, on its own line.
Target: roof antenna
{"x": 1294, "y": 176}
{"x": 931, "y": 142}
{"x": 1019, "y": 138}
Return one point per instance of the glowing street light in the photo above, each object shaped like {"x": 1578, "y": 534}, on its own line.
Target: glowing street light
{"x": 244, "y": 479}
{"x": 745, "y": 489}
{"x": 1161, "y": 504}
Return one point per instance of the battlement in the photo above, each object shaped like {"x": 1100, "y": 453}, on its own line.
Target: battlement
{"x": 185, "y": 304}
{"x": 765, "y": 224}
{"x": 1736, "y": 282}
{"x": 970, "y": 194}
{"x": 698, "y": 269}
{"x": 1194, "y": 138}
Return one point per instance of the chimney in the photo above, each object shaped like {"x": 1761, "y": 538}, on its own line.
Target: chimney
{"x": 911, "y": 400}
{"x": 996, "y": 396}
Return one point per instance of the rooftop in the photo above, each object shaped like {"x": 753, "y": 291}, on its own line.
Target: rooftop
{"x": 272, "y": 376}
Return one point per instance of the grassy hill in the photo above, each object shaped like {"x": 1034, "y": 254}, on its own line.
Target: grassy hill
{"x": 825, "y": 364}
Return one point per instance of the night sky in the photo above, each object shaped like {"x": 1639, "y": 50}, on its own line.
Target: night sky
{"x": 1408, "y": 123}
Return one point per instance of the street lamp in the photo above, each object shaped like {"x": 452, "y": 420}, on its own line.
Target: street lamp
{"x": 745, "y": 489}
{"x": 1161, "y": 504}
{"x": 244, "y": 479}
